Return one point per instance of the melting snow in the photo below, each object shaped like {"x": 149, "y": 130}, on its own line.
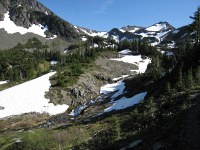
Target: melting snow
{"x": 168, "y": 53}
{"x": 84, "y": 39}
{"x": 53, "y": 37}
{"x": 108, "y": 88}
{"x": 77, "y": 111}
{"x": 10, "y": 27}
{"x": 122, "y": 30}
{"x": 124, "y": 102}
{"x": 3, "y": 82}
{"x": 54, "y": 62}
{"x": 120, "y": 78}
{"x": 29, "y": 97}
{"x": 137, "y": 60}
{"x": 116, "y": 38}
{"x": 175, "y": 31}
{"x": 134, "y": 30}
{"x": 125, "y": 52}
{"x": 118, "y": 87}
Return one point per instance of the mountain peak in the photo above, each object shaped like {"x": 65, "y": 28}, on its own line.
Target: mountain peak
{"x": 28, "y": 13}
{"x": 160, "y": 26}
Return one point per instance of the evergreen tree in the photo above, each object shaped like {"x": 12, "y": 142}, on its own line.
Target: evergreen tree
{"x": 179, "y": 82}
{"x": 168, "y": 87}
{"x": 2, "y": 77}
{"x": 189, "y": 79}
{"x": 196, "y": 24}
{"x": 116, "y": 130}
{"x": 135, "y": 46}
{"x": 197, "y": 76}
{"x": 151, "y": 107}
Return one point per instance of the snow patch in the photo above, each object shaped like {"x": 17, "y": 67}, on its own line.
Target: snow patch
{"x": 125, "y": 52}
{"x": 4, "y": 82}
{"x": 53, "y": 37}
{"x": 122, "y": 30}
{"x": 168, "y": 53}
{"x": 116, "y": 38}
{"x": 29, "y": 97}
{"x": 10, "y": 27}
{"x": 137, "y": 60}
{"x": 84, "y": 39}
{"x": 175, "y": 31}
{"x": 108, "y": 88}
{"x": 124, "y": 102}
{"x": 157, "y": 27}
{"x": 120, "y": 78}
{"x": 54, "y": 62}
{"x": 134, "y": 30}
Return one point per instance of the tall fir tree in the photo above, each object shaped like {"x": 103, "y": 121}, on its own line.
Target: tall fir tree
{"x": 197, "y": 76}
{"x": 179, "y": 82}
{"x": 196, "y": 24}
{"x": 189, "y": 79}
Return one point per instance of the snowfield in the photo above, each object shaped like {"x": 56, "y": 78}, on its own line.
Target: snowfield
{"x": 137, "y": 60}
{"x": 123, "y": 102}
{"x": 157, "y": 27}
{"x": 29, "y": 97}
{"x": 10, "y": 27}
{"x": 108, "y": 88}
{"x": 4, "y": 82}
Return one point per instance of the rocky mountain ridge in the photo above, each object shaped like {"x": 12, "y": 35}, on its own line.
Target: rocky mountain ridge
{"x": 154, "y": 34}
{"x": 28, "y": 13}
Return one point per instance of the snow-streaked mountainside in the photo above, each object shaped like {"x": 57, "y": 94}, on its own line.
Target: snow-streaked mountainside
{"x": 137, "y": 60}
{"x": 154, "y": 34}
{"x": 115, "y": 91}
{"x": 10, "y": 27}
{"x": 29, "y": 97}
{"x": 32, "y": 17}
{"x": 90, "y": 32}
{"x": 158, "y": 27}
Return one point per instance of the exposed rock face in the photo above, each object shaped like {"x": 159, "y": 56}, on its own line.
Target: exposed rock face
{"x": 25, "y": 13}
{"x": 89, "y": 84}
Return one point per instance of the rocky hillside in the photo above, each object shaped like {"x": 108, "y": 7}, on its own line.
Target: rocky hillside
{"x": 31, "y": 17}
{"x": 28, "y": 14}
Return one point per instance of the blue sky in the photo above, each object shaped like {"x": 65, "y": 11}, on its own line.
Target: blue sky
{"x": 103, "y": 15}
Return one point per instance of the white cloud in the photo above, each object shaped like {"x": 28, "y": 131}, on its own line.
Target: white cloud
{"x": 104, "y": 7}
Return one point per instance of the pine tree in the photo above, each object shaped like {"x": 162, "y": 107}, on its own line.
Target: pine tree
{"x": 189, "y": 79}
{"x": 2, "y": 77}
{"x": 116, "y": 130}
{"x": 197, "y": 76}
{"x": 168, "y": 87}
{"x": 135, "y": 46}
{"x": 151, "y": 107}
{"x": 179, "y": 83}
{"x": 196, "y": 24}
